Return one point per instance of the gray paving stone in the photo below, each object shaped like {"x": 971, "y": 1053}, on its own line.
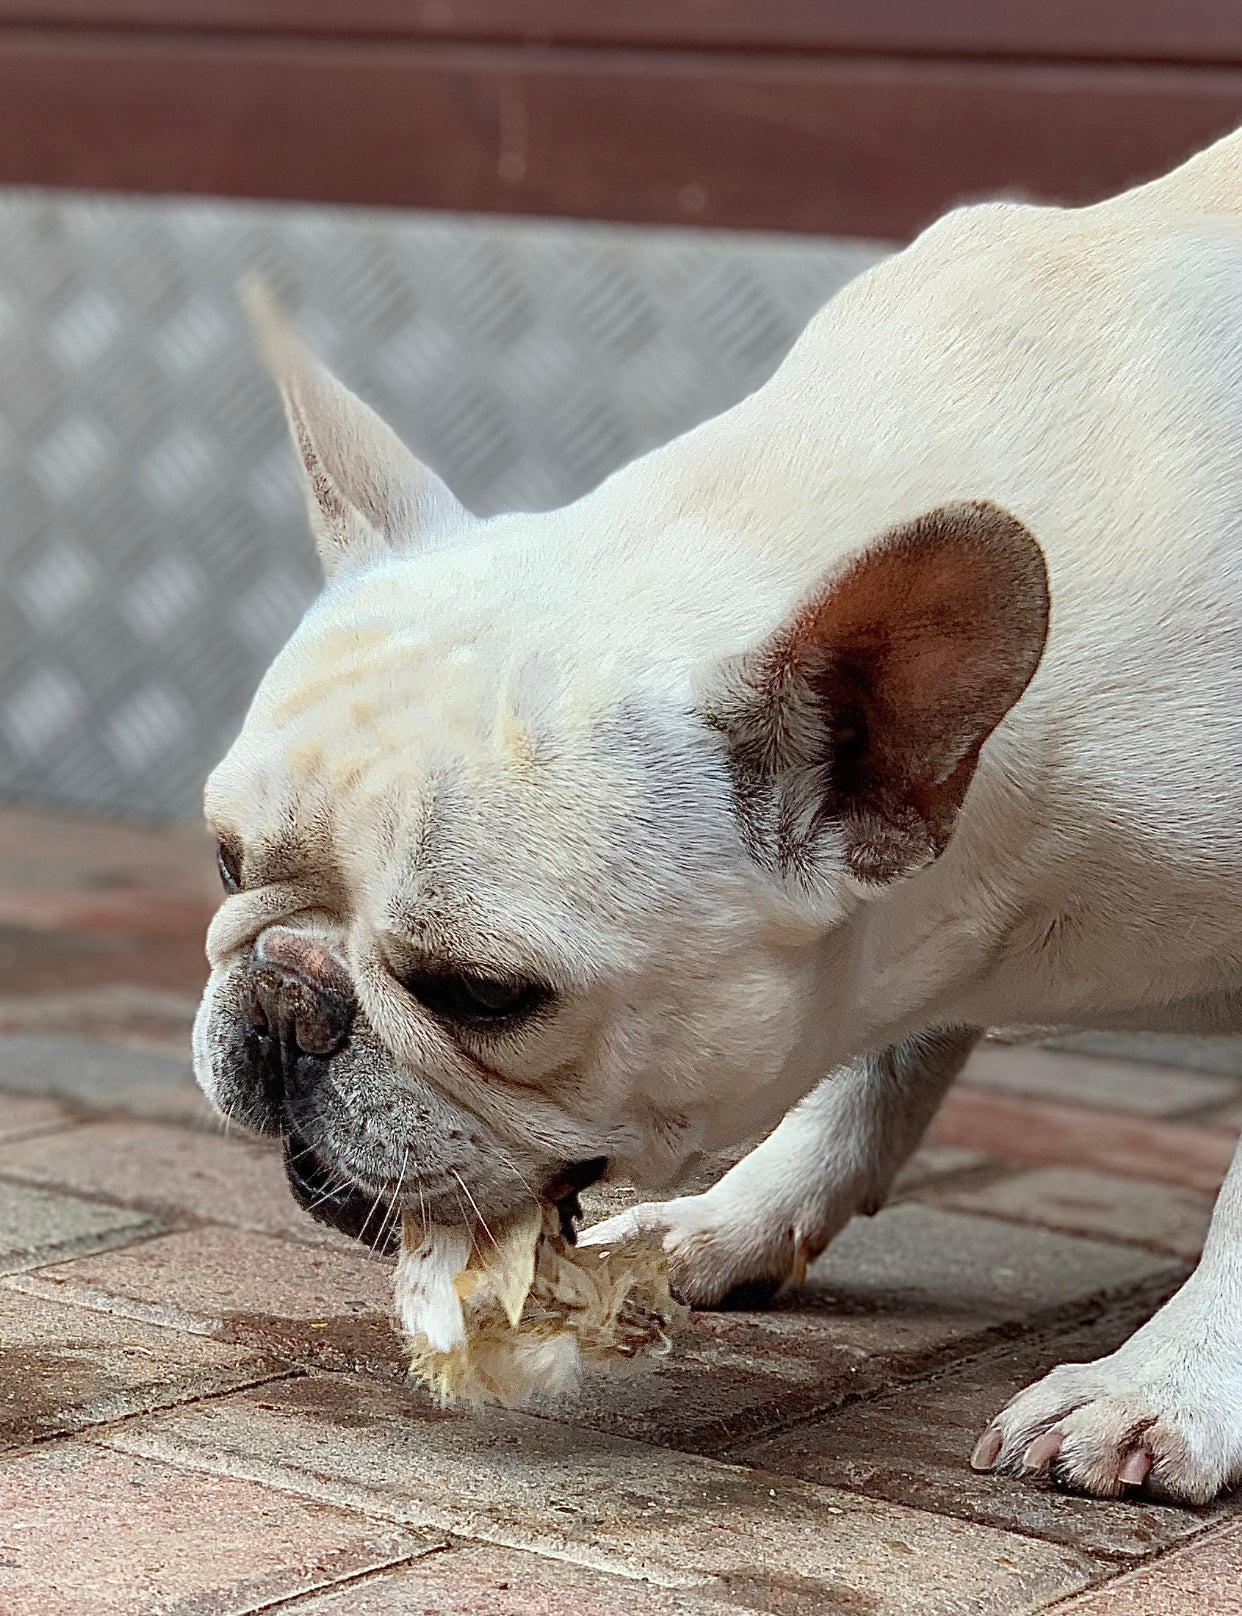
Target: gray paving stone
{"x": 931, "y": 1164}
{"x": 37, "y": 1226}
{"x": 1159, "y": 1217}
{"x": 921, "y": 1256}
{"x": 64, "y": 1368}
{"x": 1221, "y": 1055}
{"x": 1112, "y": 1082}
{"x": 913, "y": 1445}
{"x": 104, "y": 1076}
{"x": 157, "y": 1020}
{"x": 1228, "y": 1117}
{"x": 892, "y": 1296}
{"x": 759, "y": 1540}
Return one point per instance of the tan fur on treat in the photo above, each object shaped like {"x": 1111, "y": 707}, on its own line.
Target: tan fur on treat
{"x": 526, "y": 1312}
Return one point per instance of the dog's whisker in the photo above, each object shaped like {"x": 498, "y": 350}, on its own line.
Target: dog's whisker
{"x": 388, "y": 1224}
{"x": 422, "y": 1199}
{"x": 375, "y": 1206}
{"x": 394, "y": 1210}
{"x": 327, "y": 1195}
{"x": 461, "y": 1213}
{"x": 507, "y": 1161}
{"x": 393, "y": 1207}
{"x": 482, "y": 1220}
{"x": 310, "y": 1148}
{"x": 337, "y": 1184}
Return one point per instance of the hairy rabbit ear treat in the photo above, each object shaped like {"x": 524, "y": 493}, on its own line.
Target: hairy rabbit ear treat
{"x": 505, "y": 1318}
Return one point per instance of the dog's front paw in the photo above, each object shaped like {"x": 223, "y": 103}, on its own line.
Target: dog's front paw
{"x": 720, "y": 1254}
{"x": 1171, "y": 1429}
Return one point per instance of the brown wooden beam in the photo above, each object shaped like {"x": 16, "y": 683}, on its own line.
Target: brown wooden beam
{"x": 1208, "y": 31}
{"x": 859, "y": 146}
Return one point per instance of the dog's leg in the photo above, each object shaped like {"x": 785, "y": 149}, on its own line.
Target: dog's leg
{"x": 835, "y": 1154}
{"x": 1162, "y": 1414}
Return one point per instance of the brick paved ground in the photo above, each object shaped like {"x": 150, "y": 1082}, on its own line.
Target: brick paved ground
{"x": 201, "y": 1406}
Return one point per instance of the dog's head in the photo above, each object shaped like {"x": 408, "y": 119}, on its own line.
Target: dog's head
{"x": 527, "y": 863}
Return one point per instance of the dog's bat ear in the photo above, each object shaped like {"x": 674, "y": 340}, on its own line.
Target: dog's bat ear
{"x": 854, "y": 731}
{"x": 366, "y": 493}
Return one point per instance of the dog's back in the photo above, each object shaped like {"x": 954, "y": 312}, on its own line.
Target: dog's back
{"x": 1081, "y": 368}
{"x": 1209, "y": 183}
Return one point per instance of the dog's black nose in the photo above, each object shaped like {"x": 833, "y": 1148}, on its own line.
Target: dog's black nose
{"x": 295, "y": 1018}
{"x": 301, "y": 1004}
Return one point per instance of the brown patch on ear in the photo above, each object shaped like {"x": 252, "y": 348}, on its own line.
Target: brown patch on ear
{"x": 866, "y": 712}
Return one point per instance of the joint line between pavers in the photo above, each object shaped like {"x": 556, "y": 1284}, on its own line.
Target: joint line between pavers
{"x": 422, "y": 1515}
{"x": 358, "y": 1579}
{"x": 1045, "y": 1328}
{"x": 50, "y": 1186}
{"x": 1105, "y": 1237}
{"x": 28, "y": 1282}
{"x": 1143, "y": 1568}
{"x": 83, "y": 1246}
{"x": 40, "y": 1130}
{"x": 93, "y": 1433}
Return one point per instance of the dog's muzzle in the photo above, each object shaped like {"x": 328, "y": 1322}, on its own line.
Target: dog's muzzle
{"x": 300, "y": 1013}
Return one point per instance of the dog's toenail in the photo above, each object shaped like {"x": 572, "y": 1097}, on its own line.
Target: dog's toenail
{"x": 987, "y": 1449}
{"x": 1042, "y": 1451}
{"x": 1134, "y": 1471}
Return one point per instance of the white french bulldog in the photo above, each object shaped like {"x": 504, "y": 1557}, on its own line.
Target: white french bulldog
{"x": 901, "y": 701}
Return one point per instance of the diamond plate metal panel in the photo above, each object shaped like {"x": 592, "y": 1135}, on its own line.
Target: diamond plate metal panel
{"x": 153, "y": 540}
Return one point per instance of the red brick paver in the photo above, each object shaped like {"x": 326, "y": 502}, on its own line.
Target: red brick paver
{"x": 329, "y": 1306}
{"x": 91, "y": 1533}
{"x": 67, "y": 1369}
{"x": 480, "y": 1580}
{"x": 618, "y": 1506}
{"x": 167, "y": 1170}
{"x": 1046, "y": 1133}
{"x": 23, "y": 1114}
{"x": 1203, "y": 1579}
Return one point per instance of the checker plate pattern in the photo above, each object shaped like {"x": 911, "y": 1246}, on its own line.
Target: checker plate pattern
{"x": 153, "y": 539}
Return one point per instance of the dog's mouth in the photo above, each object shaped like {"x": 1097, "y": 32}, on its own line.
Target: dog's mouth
{"x": 319, "y": 1189}
{"x": 565, "y": 1188}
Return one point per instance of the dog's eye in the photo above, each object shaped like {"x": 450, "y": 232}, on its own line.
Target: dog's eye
{"x": 228, "y": 862}
{"x": 462, "y": 996}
